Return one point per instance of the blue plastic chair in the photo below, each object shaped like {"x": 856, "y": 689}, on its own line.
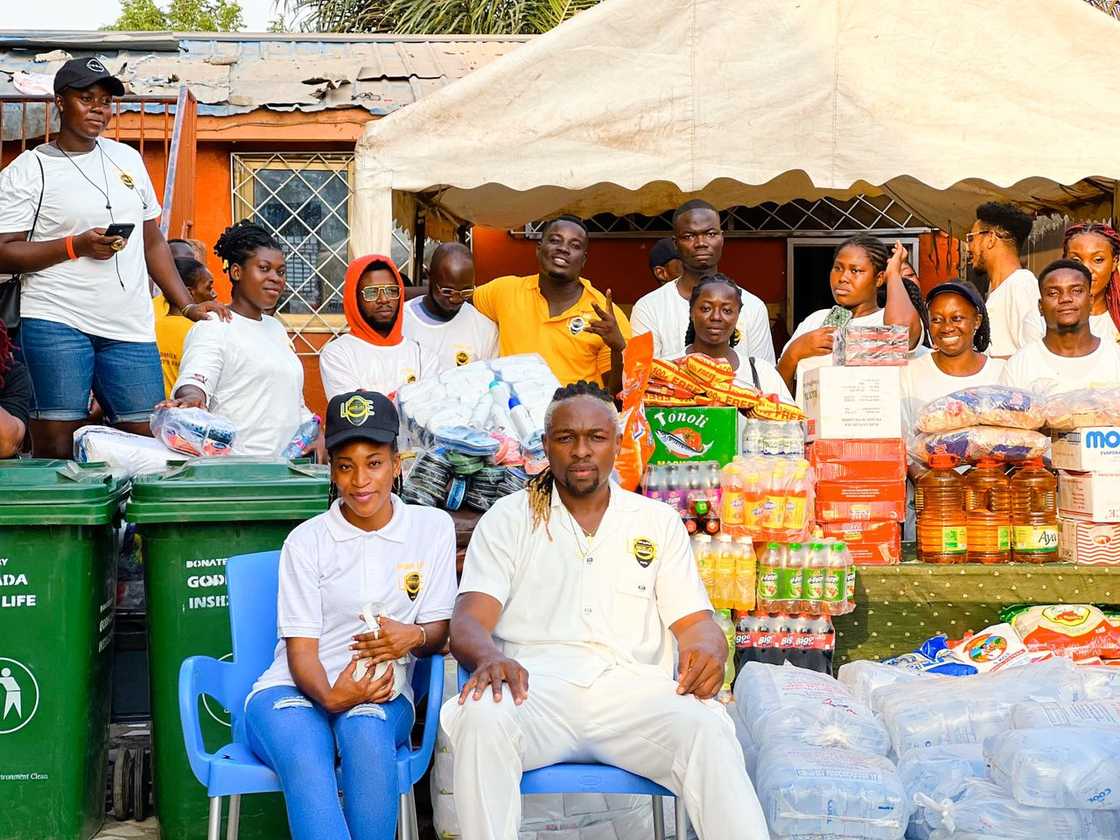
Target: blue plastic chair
{"x": 233, "y": 770}
{"x": 599, "y": 778}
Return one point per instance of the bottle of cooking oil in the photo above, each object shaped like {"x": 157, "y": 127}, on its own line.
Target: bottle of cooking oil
{"x": 1034, "y": 514}
{"x": 987, "y": 499}
{"x": 942, "y": 521}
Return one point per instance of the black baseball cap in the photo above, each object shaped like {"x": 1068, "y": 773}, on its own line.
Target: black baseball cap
{"x": 965, "y": 290}
{"x": 81, "y": 73}
{"x": 662, "y": 251}
{"x": 361, "y": 415}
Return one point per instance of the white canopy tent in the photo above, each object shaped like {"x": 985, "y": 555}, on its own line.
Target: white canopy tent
{"x": 636, "y": 105}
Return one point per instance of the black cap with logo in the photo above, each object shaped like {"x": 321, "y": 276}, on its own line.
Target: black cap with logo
{"x": 361, "y": 415}
{"x": 81, "y": 73}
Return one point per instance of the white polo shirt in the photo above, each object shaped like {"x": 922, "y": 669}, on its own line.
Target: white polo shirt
{"x": 329, "y": 570}
{"x": 468, "y": 337}
{"x": 573, "y": 606}
{"x": 348, "y": 363}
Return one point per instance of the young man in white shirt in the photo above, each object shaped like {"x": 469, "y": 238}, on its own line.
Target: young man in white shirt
{"x": 572, "y": 595}
{"x": 443, "y": 322}
{"x": 664, "y": 311}
{"x": 1069, "y": 357}
{"x": 994, "y": 245}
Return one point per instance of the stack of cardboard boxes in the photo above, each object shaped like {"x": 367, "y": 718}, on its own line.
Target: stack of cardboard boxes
{"x": 1088, "y": 464}
{"x": 859, "y": 458}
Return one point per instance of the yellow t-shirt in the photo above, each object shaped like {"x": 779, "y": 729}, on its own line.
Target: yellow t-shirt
{"x": 171, "y": 333}
{"x": 519, "y": 309}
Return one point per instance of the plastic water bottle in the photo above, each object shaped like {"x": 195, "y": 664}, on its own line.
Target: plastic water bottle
{"x": 305, "y": 435}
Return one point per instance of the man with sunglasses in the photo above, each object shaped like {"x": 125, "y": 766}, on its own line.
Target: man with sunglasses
{"x": 375, "y": 355}
{"x": 443, "y": 321}
{"x": 994, "y": 245}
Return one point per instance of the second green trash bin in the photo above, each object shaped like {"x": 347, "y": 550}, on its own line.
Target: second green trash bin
{"x": 191, "y": 520}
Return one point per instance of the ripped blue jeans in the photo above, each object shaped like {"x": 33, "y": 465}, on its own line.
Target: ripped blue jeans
{"x": 299, "y": 741}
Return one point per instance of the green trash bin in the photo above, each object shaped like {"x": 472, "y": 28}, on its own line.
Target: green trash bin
{"x": 191, "y": 519}
{"x": 57, "y": 586}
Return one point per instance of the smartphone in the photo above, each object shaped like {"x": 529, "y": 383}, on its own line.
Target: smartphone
{"x": 121, "y": 229}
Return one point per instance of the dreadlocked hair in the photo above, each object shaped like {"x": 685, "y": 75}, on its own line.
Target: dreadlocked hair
{"x": 240, "y": 241}
{"x": 1112, "y": 294}
{"x": 5, "y": 352}
{"x": 540, "y": 486}
{"x": 710, "y": 280}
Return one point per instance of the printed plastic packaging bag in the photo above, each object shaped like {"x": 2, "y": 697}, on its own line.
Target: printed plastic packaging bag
{"x": 992, "y": 649}
{"x": 783, "y": 704}
{"x": 1079, "y": 631}
{"x": 831, "y": 792}
{"x": 888, "y": 345}
{"x": 983, "y": 405}
{"x": 1058, "y": 767}
{"x": 969, "y": 445}
{"x": 637, "y": 436}
{"x": 983, "y": 810}
{"x": 933, "y": 656}
{"x": 1083, "y": 408}
{"x": 1100, "y": 714}
{"x": 969, "y": 709}
{"x": 125, "y": 453}
{"x": 939, "y": 773}
{"x": 194, "y": 431}
{"x": 864, "y": 676}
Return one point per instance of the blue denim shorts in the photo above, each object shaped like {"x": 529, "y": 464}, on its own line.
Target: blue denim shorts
{"x": 66, "y": 364}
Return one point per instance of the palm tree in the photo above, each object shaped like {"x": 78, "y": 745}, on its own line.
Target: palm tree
{"x": 431, "y": 17}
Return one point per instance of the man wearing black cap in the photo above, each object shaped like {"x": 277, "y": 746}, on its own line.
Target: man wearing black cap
{"x": 79, "y": 220}
{"x": 664, "y": 262}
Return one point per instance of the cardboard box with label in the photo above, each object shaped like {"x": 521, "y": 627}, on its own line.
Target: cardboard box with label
{"x": 1089, "y": 543}
{"x": 859, "y": 460}
{"x": 869, "y": 543}
{"x": 1089, "y": 497}
{"x": 1095, "y": 449}
{"x": 874, "y": 501}
{"x": 853, "y": 402}
{"x": 694, "y": 434}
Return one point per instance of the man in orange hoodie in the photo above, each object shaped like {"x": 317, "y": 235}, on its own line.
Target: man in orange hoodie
{"x": 374, "y": 355}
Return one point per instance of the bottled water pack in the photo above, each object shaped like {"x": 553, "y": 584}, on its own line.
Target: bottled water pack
{"x": 1059, "y": 767}
{"x": 787, "y": 705}
{"x": 864, "y": 676}
{"x": 818, "y": 791}
{"x": 1104, "y": 714}
{"x": 940, "y": 773}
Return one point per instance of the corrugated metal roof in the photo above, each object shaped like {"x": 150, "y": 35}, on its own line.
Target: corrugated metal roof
{"x": 234, "y": 73}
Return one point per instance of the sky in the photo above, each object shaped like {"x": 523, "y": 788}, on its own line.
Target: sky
{"x": 93, "y": 14}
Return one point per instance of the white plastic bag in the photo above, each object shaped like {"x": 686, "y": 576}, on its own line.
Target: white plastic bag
{"x": 1058, "y": 767}
{"x": 125, "y": 453}
{"x": 830, "y": 792}
{"x": 1103, "y": 714}
{"x": 783, "y": 704}
{"x": 863, "y": 676}
{"x": 939, "y": 773}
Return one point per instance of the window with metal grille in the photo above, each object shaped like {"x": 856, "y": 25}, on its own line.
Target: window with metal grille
{"x": 303, "y": 199}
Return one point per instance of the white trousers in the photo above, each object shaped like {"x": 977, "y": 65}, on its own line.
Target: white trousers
{"x": 635, "y": 721}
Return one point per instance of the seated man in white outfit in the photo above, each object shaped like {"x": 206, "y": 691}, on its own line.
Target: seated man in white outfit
{"x": 573, "y": 594}
{"x": 1069, "y": 357}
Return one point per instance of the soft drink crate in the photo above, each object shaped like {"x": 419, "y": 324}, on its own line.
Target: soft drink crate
{"x": 694, "y": 434}
{"x": 1093, "y": 497}
{"x": 869, "y": 543}
{"x": 853, "y": 403}
{"x": 766, "y": 498}
{"x": 1094, "y": 449}
{"x": 1088, "y": 543}
{"x": 840, "y": 501}
{"x": 693, "y": 490}
{"x": 815, "y": 578}
{"x": 859, "y": 460}
{"x": 773, "y": 438}
{"x": 727, "y": 570}
{"x": 777, "y": 631}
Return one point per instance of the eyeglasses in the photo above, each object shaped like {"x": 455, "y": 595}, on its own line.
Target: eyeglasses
{"x": 457, "y": 294}
{"x": 970, "y": 236}
{"x": 373, "y": 293}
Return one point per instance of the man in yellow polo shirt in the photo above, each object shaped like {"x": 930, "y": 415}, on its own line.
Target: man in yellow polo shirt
{"x": 575, "y": 327}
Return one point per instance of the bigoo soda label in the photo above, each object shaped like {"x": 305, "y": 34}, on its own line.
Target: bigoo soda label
{"x": 1036, "y": 538}
{"x": 954, "y": 539}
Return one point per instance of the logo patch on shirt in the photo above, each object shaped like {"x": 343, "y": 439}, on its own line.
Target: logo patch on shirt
{"x": 409, "y": 376}
{"x": 411, "y": 585}
{"x": 645, "y": 552}
{"x": 356, "y": 410}
{"x": 577, "y": 324}
{"x": 462, "y": 358}
{"x": 126, "y": 179}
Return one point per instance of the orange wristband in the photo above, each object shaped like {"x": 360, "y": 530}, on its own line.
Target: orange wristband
{"x": 70, "y": 252}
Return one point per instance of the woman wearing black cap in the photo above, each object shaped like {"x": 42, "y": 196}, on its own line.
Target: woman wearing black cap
{"x": 370, "y": 552}
{"x": 958, "y": 327}
{"x": 79, "y": 222}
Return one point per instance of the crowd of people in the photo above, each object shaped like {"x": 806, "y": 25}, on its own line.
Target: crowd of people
{"x": 575, "y": 594}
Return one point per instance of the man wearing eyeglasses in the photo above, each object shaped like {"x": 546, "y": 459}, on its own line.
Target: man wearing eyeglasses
{"x": 994, "y": 245}
{"x": 375, "y": 355}
{"x": 664, "y": 311}
{"x": 443, "y": 321}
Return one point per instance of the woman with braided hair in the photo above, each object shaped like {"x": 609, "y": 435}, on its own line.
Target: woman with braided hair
{"x": 1097, "y": 247}
{"x": 861, "y": 266}
{"x": 15, "y": 398}
{"x": 574, "y": 595}
{"x": 245, "y": 369}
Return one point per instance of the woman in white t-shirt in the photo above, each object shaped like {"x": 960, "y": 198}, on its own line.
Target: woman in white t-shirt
{"x": 714, "y": 308}
{"x": 1097, "y": 247}
{"x": 245, "y": 369}
{"x": 369, "y": 552}
{"x": 375, "y": 355}
{"x": 862, "y": 265}
{"x": 86, "y": 310}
